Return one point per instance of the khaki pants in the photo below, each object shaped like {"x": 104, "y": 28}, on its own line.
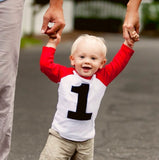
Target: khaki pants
{"x": 58, "y": 148}
{"x": 10, "y": 32}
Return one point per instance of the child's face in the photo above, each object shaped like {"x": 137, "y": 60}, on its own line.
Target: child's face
{"x": 87, "y": 58}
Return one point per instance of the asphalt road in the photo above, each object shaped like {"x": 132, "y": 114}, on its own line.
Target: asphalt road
{"x": 127, "y": 126}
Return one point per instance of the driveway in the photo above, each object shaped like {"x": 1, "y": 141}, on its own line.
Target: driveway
{"x": 127, "y": 125}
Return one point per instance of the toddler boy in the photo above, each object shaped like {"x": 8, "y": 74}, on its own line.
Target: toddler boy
{"x": 81, "y": 88}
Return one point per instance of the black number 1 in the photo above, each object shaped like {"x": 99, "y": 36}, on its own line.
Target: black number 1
{"x": 80, "y": 113}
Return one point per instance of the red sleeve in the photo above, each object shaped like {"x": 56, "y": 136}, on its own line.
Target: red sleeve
{"x": 111, "y": 70}
{"x": 52, "y": 70}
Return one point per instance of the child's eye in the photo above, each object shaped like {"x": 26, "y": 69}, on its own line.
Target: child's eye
{"x": 93, "y": 58}
{"x": 81, "y": 57}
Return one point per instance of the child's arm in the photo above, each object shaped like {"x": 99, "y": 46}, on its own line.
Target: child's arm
{"x": 53, "y": 41}
{"x": 119, "y": 62}
{"x": 52, "y": 70}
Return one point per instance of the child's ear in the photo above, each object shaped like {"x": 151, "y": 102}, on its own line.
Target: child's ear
{"x": 103, "y": 63}
{"x": 72, "y": 60}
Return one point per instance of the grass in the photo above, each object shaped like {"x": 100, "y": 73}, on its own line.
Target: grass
{"x": 28, "y": 41}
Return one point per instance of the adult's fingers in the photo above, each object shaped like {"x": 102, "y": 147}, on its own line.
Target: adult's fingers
{"x": 126, "y": 35}
{"x": 125, "y": 32}
{"x": 56, "y": 28}
{"x": 44, "y": 27}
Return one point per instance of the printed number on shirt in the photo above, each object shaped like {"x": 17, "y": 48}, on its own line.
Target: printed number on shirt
{"x": 80, "y": 113}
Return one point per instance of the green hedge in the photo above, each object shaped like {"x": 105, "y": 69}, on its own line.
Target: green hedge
{"x": 150, "y": 16}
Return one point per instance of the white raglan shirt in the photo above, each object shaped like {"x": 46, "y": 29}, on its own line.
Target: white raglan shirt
{"x": 79, "y": 98}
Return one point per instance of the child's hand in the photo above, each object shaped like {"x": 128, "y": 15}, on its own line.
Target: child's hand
{"x": 54, "y": 40}
{"x": 134, "y": 38}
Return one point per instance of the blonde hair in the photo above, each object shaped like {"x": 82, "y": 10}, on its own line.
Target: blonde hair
{"x": 100, "y": 41}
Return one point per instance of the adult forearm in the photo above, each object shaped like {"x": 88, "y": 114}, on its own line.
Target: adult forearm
{"x": 133, "y": 5}
{"x": 131, "y": 22}
{"x": 56, "y": 3}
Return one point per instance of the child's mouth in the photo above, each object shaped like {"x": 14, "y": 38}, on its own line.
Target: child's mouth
{"x": 87, "y": 68}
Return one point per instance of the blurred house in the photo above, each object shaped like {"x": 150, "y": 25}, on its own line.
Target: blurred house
{"x": 97, "y": 15}
{"x": 33, "y": 24}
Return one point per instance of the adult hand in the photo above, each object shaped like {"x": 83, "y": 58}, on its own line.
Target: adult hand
{"x": 130, "y": 25}
{"x": 131, "y": 22}
{"x": 54, "y": 14}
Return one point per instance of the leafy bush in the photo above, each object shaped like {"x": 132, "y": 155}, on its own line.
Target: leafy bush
{"x": 150, "y": 13}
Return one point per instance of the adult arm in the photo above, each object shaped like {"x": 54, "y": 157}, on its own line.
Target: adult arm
{"x": 54, "y": 14}
{"x": 131, "y": 21}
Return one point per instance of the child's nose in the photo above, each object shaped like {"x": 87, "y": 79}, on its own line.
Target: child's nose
{"x": 87, "y": 60}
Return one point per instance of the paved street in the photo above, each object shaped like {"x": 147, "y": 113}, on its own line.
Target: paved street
{"x": 127, "y": 126}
